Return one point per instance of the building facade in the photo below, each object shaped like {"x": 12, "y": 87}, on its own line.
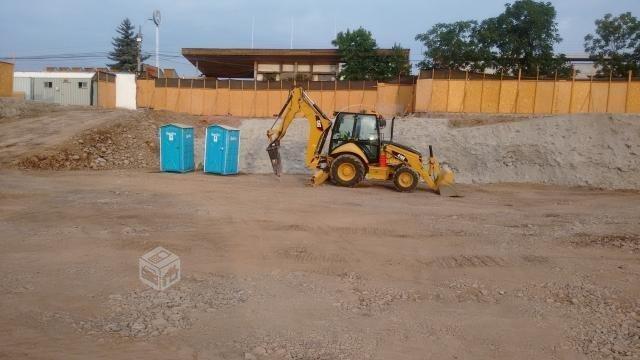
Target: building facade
{"x": 269, "y": 64}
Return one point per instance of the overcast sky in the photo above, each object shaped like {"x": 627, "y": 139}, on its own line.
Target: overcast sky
{"x": 46, "y": 27}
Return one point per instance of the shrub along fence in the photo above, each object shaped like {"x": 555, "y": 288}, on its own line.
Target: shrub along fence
{"x": 265, "y": 98}
{"x": 477, "y": 93}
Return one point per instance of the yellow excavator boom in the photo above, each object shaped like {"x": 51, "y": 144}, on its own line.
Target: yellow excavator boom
{"x": 299, "y": 104}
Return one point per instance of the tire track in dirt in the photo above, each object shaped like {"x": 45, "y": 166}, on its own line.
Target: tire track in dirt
{"x": 303, "y": 255}
{"x": 481, "y": 261}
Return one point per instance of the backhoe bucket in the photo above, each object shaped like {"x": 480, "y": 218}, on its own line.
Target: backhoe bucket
{"x": 274, "y": 155}
{"x": 445, "y": 184}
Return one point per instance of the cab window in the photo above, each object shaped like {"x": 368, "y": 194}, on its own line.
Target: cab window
{"x": 344, "y": 131}
{"x": 367, "y": 129}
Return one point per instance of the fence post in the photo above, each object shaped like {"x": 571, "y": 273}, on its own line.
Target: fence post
{"x": 255, "y": 96}
{"x": 229, "y": 98}
{"x": 464, "y": 93}
{"x": 215, "y": 111}
{"x": 518, "y": 91}
{"x": 433, "y": 79}
{"x": 535, "y": 90}
{"x": 349, "y": 95}
{"x": 191, "y": 97}
{"x": 590, "y": 94}
{"x": 573, "y": 81}
{"x": 500, "y": 90}
{"x": 609, "y": 90}
{"x": 178, "y": 100}
{"x": 362, "y": 99}
{"x": 335, "y": 94}
{"x": 446, "y": 108}
{"x": 268, "y": 93}
{"x": 626, "y": 100}
{"x": 553, "y": 98}
{"x": 482, "y": 91}
{"x": 202, "y": 100}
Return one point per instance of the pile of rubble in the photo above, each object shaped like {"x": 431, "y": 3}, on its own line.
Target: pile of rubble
{"x": 129, "y": 144}
{"x": 602, "y": 322}
{"x": 148, "y": 313}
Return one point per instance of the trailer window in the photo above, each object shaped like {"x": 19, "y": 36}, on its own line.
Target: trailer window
{"x": 48, "y": 84}
{"x": 82, "y": 85}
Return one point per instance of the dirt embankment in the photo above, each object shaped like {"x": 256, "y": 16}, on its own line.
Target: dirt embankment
{"x": 597, "y": 150}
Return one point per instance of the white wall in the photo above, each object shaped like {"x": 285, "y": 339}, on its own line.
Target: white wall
{"x": 126, "y": 91}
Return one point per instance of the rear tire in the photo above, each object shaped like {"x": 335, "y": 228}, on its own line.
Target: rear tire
{"x": 347, "y": 170}
{"x": 405, "y": 179}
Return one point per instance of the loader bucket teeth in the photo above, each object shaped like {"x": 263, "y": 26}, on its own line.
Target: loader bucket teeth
{"x": 274, "y": 155}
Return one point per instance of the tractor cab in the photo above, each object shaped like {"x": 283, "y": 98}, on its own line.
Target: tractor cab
{"x": 360, "y": 129}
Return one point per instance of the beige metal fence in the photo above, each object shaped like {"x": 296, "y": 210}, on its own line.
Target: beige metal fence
{"x": 464, "y": 93}
{"x": 264, "y": 99}
{"x": 528, "y": 96}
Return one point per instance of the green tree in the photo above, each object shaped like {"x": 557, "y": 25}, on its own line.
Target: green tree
{"x": 615, "y": 47}
{"x": 359, "y": 52}
{"x": 394, "y": 65}
{"x": 125, "y": 48}
{"x": 454, "y": 46}
{"x": 522, "y": 38}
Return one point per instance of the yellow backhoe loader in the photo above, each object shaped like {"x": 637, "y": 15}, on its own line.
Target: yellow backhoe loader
{"x": 356, "y": 149}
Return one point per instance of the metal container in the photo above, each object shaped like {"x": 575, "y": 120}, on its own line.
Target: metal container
{"x": 221, "y": 150}
{"x": 64, "y": 88}
{"x": 176, "y": 148}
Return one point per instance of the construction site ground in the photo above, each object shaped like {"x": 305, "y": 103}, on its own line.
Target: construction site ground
{"x": 274, "y": 269}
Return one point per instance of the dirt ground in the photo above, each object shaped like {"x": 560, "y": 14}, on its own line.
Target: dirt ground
{"x": 273, "y": 269}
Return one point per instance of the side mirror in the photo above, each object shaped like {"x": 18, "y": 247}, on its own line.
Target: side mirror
{"x": 382, "y": 123}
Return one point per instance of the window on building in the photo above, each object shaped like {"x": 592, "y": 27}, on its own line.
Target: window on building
{"x": 82, "y": 85}
{"x": 48, "y": 84}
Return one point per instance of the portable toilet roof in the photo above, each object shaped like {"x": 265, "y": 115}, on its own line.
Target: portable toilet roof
{"x": 226, "y": 127}
{"x": 183, "y": 126}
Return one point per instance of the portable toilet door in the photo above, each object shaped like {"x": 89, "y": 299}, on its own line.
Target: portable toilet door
{"x": 176, "y": 148}
{"x": 221, "y": 150}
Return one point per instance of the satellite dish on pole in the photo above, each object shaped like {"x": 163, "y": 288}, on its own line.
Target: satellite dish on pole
{"x": 156, "y": 17}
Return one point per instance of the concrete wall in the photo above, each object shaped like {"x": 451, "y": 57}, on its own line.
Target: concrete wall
{"x": 126, "y": 91}
{"x": 6, "y": 79}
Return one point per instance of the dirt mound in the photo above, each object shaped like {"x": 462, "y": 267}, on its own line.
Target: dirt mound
{"x": 127, "y": 143}
{"x": 16, "y": 108}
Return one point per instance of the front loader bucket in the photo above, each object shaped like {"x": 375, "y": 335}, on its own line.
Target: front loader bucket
{"x": 274, "y": 155}
{"x": 445, "y": 184}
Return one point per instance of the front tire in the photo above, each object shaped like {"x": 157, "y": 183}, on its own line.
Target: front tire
{"x": 347, "y": 170}
{"x": 405, "y": 179}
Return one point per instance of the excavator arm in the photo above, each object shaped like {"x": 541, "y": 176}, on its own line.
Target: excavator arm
{"x": 299, "y": 104}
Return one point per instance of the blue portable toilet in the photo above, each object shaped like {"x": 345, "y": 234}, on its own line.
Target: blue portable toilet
{"x": 221, "y": 150}
{"x": 176, "y": 148}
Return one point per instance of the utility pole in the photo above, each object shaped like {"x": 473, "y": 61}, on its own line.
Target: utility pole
{"x": 253, "y": 26}
{"x": 292, "y": 32}
{"x": 139, "y": 42}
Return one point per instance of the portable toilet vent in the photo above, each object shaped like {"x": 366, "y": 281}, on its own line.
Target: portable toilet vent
{"x": 221, "y": 150}
{"x": 176, "y": 148}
